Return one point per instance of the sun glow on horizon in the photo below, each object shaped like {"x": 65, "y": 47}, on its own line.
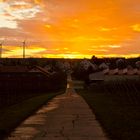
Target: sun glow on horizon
{"x": 35, "y": 51}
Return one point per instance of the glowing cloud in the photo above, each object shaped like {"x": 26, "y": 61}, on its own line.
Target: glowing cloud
{"x": 136, "y": 27}
{"x": 37, "y": 1}
{"x": 48, "y": 26}
{"x": 103, "y": 29}
{"x": 114, "y": 46}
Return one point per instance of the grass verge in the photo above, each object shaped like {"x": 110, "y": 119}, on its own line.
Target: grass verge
{"x": 121, "y": 122}
{"x": 12, "y": 116}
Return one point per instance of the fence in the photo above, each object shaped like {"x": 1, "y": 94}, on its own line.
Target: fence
{"x": 15, "y": 87}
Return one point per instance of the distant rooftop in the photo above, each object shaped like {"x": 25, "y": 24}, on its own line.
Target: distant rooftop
{"x": 6, "y": 69}
{"x": 125, "y": 71}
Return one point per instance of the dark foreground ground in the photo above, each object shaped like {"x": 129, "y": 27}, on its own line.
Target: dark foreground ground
{"x": 12, "y": 116}
{"x": 119, "y": 117}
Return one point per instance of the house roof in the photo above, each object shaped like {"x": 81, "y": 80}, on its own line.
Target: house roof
{"x": 6, "y": 69}
{"x": 40, "y": 69}
{"x": 122, "y": 72}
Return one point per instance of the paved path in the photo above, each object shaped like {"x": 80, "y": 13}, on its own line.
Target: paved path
{"x": 66, "y": 117}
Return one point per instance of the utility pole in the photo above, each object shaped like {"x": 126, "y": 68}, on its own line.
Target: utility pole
{"x": 24, "y": 47}
{"x": 1, "y": 47}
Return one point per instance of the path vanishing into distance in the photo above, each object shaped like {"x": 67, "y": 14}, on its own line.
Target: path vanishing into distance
{"x": 66, "y": 117}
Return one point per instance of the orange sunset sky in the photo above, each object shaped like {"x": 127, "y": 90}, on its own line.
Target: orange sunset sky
{"x": 70, "y": 28}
